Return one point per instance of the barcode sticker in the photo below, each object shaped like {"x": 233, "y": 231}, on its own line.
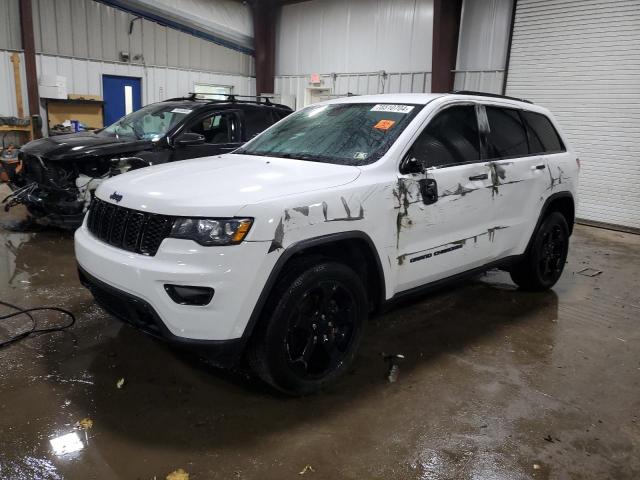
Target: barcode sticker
{"x": 185, "y": 111}
{"x": 388, "y": 107}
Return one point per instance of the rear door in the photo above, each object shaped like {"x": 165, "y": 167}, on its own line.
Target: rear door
{"x": 519, "y": 177}
{"x": 221, "y": 131}
{"x": 444, "y": 212}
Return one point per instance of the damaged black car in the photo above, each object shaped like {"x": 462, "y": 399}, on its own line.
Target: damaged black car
{"x": 59, "y": 174}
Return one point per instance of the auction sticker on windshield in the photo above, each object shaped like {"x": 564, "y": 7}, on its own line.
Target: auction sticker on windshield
{"x": 388, "y": 107}
{"x": 384, "y": 124}
{"x": 186, "y": 111}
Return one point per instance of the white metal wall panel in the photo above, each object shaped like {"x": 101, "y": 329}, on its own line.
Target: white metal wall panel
{"x": 227, "y": 19}
{"x": 482, "y": 45}
{"x": 10, "y": 25}
{"x": 581, "y": 59}
{"x": 91, "y": 30}
{"x": 8, "y": 105}
{"x": 85, "y": 77}
{"x": 291, "y": 89}
{"x": 350, "y": 43}
{"x": 337, "y": 36}
{"x": 158, "y": 83}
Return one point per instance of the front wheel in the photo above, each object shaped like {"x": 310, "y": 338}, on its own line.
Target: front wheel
{"x": 543, "y": 263}
{"x": 312, "y": 327}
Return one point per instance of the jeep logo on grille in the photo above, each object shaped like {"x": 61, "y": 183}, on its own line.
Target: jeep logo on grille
{"x": 116, "y": 196}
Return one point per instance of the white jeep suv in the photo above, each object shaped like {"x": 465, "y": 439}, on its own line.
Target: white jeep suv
{"x": 277, "y": 253}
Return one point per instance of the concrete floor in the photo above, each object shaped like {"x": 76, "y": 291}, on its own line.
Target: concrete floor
{"x": 496, "y": 384}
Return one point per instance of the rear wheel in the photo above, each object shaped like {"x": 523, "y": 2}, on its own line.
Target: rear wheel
{"x": 312, "y": 327}
{"x": 543, "y": 263}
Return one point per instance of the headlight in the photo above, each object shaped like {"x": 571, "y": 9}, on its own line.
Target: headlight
{"x": 212, "y": 231}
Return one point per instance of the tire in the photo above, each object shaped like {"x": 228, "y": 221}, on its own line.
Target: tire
{"x": 544, "y": 261}
{"x": 311, "y": 328}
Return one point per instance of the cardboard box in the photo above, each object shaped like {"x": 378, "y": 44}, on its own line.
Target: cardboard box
{"x": 83, "y": 96}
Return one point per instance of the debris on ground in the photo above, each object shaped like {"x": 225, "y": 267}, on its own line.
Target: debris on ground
{"x": 85, "y": 423}
{"x": 120, "y": 383}
{"x": 306, "y": 469}
{"x": 393, "y": 361}
{"x": 179, "y": 474}
{"x": 536, "y": 466}
{"x": 589, "y": 272}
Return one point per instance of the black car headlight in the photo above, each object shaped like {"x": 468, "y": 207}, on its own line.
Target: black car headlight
{"x": 212, "y": 231}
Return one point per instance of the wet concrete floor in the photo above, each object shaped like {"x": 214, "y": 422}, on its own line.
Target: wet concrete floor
{"x": 496, "y": 384}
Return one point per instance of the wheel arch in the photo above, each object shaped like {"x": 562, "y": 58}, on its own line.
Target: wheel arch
{"x": 341, "y": 246}
{"x": 562, "y": 202}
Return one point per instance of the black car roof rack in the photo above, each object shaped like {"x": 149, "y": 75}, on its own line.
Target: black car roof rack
{"x": 485, "y": 94}
{"x": 230, "y": 98}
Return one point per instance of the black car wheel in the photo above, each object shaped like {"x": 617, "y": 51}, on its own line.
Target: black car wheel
{"x": 312, "y": 327}
{"x": 543, "y": 263}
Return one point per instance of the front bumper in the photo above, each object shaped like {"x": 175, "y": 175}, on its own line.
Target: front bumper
{"x": 140, "y": 314}
{"x": 236, "y": 273}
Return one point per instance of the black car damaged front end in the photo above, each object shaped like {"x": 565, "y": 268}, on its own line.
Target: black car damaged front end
{"x": 58, "y": 192}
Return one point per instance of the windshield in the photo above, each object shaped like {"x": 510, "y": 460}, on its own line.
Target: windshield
{"x": 149, "y": 123}
{"x": 344, "y": 133}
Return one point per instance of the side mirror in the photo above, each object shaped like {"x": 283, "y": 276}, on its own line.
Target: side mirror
{"x": 188, "y": 139}
{"x": 428, "y": 190}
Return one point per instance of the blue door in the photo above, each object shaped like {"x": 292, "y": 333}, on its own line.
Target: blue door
{"x": 121, "y": 96}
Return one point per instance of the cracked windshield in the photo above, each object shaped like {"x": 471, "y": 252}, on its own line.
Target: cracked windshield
{"x": 346, "y": 134}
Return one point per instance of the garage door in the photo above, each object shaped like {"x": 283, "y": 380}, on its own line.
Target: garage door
{"x": 581, "y": 59}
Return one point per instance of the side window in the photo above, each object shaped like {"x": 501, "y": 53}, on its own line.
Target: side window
{"x": 449, "y": 138}
{"x": 216, "y": 128}
{"x": 543, "y": 137}
{"x": 256, "y": 120}
{"x": 507, "y": 136}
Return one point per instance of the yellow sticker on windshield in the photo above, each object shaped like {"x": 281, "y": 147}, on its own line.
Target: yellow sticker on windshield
{"x": 384, "y": 124}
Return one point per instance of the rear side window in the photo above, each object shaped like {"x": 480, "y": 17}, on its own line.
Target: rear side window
{"x": 543, "y": 137}
{"x": 450, "y": 138}
{"x": 507, "y": 136}
{"x": 256, "y": 120}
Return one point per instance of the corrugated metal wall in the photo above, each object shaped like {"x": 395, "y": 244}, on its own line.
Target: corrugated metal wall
{"x": 7, "y": 88}
{"x": 292, "y": 89}
{"x": 482, "y": 45}
{"x": 88, "y": 29}
{"x": 82, "y": 40}
{"x": 354, "y": 41}
{"x": 10, "y": 25}
{"x": 227, "y": 19}
{"x": 581, "y": 60}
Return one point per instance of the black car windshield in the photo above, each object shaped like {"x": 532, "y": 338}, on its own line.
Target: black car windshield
{"x": 149, "y": 123}
{"x": 343, "y": 133}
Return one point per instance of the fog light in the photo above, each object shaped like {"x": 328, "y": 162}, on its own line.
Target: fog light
{"x": 187, "y": 295}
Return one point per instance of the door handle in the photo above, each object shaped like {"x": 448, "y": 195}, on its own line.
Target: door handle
{"x": 542, "y": 166}
{"x": 482, "y": 176}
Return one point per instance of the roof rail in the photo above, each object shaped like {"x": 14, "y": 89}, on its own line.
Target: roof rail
{"x": 232, "y": 97}
{"x": 485, "y": 94}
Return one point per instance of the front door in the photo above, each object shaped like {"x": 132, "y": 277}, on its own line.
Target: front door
{"x": 121, "y": 95}
{"x": 221, "y": 132}
{"x": 444, "y": 195}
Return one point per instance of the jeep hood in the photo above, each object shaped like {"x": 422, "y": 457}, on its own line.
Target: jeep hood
{"x": 222, "y": 185}
{"x": 76, "y": 146}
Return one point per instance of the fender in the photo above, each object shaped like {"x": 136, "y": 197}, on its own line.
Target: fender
{"x": 543, "y": 213}
{"x": 298, "y": 247}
